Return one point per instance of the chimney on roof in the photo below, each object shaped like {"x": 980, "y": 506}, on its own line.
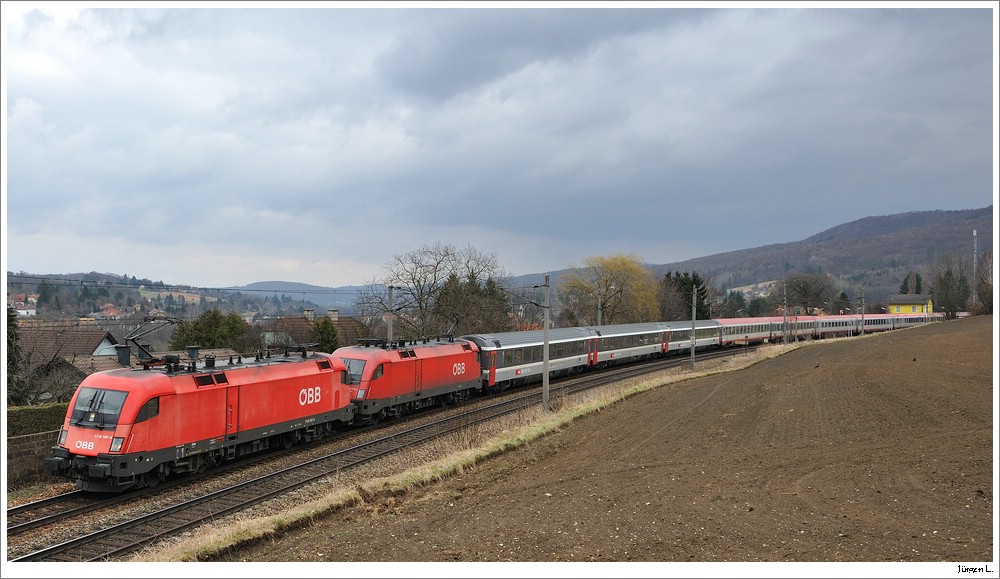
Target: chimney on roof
{"x": 124, "y": 354}
{"x": 334, "y": 315}
{"x": 309, "y": 314}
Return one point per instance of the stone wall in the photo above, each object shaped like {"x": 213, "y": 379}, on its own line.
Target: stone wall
{"x": 25, "y": 454}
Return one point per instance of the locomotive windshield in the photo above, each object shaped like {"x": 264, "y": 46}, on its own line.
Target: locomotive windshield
{"x": 354, "y": 369}
{"x": 97, "y": 408}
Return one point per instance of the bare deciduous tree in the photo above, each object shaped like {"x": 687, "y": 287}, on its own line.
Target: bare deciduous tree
{"x": 809, "y": 291}
{"x": 416, "y": 280}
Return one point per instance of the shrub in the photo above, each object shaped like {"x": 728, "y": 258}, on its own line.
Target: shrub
{"x": 23, "y": 420}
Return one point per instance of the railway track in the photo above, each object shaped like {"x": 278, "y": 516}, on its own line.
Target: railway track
{"x": 35, "y": 514}
{"x": 121, "y": 539}
{"x": 59, "y": 508}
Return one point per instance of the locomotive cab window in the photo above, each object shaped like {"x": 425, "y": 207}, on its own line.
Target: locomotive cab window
{"x": 97, "y": 408}
{"x": 354, "y": 368}
{"x": 378, "y": 372}
{"x": 149, "y": 410}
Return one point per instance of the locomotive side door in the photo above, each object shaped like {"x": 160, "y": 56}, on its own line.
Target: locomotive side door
{"x": 417, "y": 372}
{"x": 232, "y": 411}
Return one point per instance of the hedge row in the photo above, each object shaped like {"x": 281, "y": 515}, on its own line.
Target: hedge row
{"x": 23, "y": 420}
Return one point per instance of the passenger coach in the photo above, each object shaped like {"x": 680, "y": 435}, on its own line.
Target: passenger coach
{"x": 707, "y": 334}
{"x": 513, "y": 358}
{"x": 625, "y": 342}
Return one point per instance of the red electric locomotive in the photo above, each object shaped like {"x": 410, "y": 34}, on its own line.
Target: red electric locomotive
{"x": 134, "y": 427}
{"x": 389, "y": 379}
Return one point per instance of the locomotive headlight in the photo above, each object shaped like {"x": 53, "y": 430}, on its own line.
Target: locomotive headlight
{"x": 116, "y": 444}
{"x": 361, "y": 394}
{"x": 62, "y": 437}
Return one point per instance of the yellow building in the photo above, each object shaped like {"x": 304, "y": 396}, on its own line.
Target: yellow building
{"x": 910, "y": 304}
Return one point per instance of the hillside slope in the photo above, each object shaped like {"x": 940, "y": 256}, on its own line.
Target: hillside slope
{"x": 874, "y": 252}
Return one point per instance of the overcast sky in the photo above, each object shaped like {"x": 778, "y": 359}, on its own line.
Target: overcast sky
{"x": 219, "y": 147}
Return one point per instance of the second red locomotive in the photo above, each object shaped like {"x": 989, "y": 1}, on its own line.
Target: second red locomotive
{"x": 390, "y": 379}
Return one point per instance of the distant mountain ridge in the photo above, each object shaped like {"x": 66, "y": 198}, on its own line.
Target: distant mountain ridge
{"x": 338, "y": 298}
{"x": 873, "y": 254}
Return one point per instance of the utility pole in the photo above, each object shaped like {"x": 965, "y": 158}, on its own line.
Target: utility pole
{"x": 862, "y": 311}
{"x": 784, "y": 313}
{"x": 694, "y": 314}
{"x": 975, "y": 258}
{"x": 388, "y": 322}
{"x": 545, "y": 349}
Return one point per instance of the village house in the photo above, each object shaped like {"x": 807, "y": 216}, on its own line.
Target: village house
{"x": 910, "y": 304}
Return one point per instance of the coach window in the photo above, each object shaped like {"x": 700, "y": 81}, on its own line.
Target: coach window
{"x": 150, "y": 409}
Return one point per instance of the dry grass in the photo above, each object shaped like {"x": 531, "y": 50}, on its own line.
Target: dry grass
{"x": 22, "y": 494}
{"x": 451, "y": 455}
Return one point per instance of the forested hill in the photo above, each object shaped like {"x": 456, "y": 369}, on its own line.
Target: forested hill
{"x": 874, "y": 252}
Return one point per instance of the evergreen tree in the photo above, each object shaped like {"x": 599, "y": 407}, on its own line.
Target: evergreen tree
{"x": 675, "y": 297}
{"x": 46, "y": 293}
{"x": 912, "y": 284}
{"x": 212, "y": 330}
{"x": 951, "y": 285}
{"x": 733, "y": 306}
{"x": 324, "y": 332}
{"x": 18, "y": 387}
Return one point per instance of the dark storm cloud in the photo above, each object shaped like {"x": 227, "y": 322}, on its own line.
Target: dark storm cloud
{"x": 251, "y": 138}
{"x": 447, "y": 52}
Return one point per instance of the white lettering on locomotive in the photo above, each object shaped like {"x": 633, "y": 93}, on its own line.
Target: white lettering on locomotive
{"x": 458, "y": 369}
{"x": 84, "y": 445}
{"x": 310, "y": 396}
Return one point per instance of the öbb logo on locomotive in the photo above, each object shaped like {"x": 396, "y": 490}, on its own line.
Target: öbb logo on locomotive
{"x": 310, "y": 395}
{"x": 135, "y": 426}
